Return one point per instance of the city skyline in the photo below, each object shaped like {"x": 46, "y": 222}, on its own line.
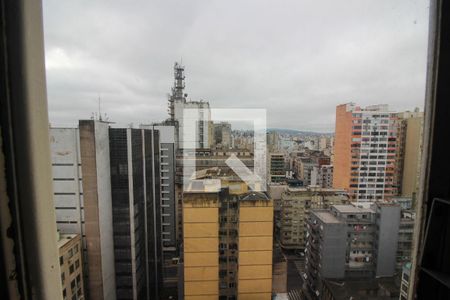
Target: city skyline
{"x": 362, "y": 52}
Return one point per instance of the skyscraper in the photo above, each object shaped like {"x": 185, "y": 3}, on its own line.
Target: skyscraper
{"x": 82, "y": 199}
{"x": 107, "y": 188}
{"x": 134, "y": 155}
{"x": 365, "y": 160}
{"x": 170, "y": 210}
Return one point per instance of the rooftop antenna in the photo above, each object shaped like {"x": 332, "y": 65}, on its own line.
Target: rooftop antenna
{"x": 99, "y": 109}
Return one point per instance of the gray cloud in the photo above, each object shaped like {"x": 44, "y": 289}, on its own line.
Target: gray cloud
{"x": 297, "y": 59}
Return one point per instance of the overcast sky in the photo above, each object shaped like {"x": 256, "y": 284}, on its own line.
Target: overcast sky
{"x": 298, "y": 59}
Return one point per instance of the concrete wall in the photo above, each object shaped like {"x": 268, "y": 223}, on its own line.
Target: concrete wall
{"x": 255, "y": 249}
{"x": 333, "y": 250}
{"x": 388, "y": 222}
{"x": 96, "y": 192}
{"x": 67, "y": 183}
{"x": 201, "y": 246}
{"x": 105, "y": 209}
{"x": 413, "y": 151}
{"x": 342, "y": 148}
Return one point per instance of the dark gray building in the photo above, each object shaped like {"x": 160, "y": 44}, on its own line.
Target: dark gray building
{"x": 387, "y": 224}
{"x": 348, "y": 242}
{"x": 135, "y": 184}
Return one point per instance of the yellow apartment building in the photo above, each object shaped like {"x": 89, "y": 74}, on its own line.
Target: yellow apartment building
{"x": 228, "y": 233}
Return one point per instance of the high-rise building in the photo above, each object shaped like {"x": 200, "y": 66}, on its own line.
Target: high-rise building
{"x": 227, "y": 241}
{"x": 346, "y": 242}
{"x": 322, "y": 176}
{"x": 82, "y": 199}
{"x": 200, "y": 122}
{"x": 273, "y": 141}
{"x": 305, "y": 170}
{"x": 134, "y": 156}
{"x": 324, "y": 143}
{"x": 170, "y": 212}
{"x": 205, "y": 159}
{"x": 405, "y": 238}
{"x": 307, "y": 166}
{"x": 365, "y": 158}
{"x": 409, "y": 151}
{"x": 295, "y": 206}
{"x": 277, "y": 169}
{"x": 222, "y": 135}
{"x": 71, "y": 265}
{"x": 107, "y": 189}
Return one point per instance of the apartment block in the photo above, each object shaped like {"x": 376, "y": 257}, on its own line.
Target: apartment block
{"x": 296, "y": 204}
{"x": 277, "y": 169}
{"x": 365, "y": 152}
{"x": 227, "y": 241}
{"x": 222, "y": 135}
{"x": 347, "y": 242}
{"x": 405, "y": 238}
{"x": 323, "y": 176}
{"x": 307, "y": 166}
{"x": 71, "y": 265}
{"x": 409, "y": 151}
{"x": 306, "y": 170}
{"x": 205, "y": 159}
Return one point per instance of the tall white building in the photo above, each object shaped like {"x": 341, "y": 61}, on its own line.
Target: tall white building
{"x": 196, "y": 120}
{"x": 365, "y": 151}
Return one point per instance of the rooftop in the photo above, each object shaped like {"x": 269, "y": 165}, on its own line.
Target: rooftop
{"x": 315, "y": 188}
{"x": 252, "y": 196}
{"x": 326, "y": 217}
{"x": 374, "y": 289}
{"x": 64, "y": 239}
{"x": 348, "y": 208}
{"x": 204, "y": 186}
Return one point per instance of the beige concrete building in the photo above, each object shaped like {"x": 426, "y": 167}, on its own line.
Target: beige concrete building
{"x": 227, "y": 241}
{"x": 70, "y": 261}
{"x": 410, "y": 150}
{"x": 295, "y": 206}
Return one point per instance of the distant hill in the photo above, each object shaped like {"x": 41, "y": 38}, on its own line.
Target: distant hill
{"x": 298, "y": 132}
